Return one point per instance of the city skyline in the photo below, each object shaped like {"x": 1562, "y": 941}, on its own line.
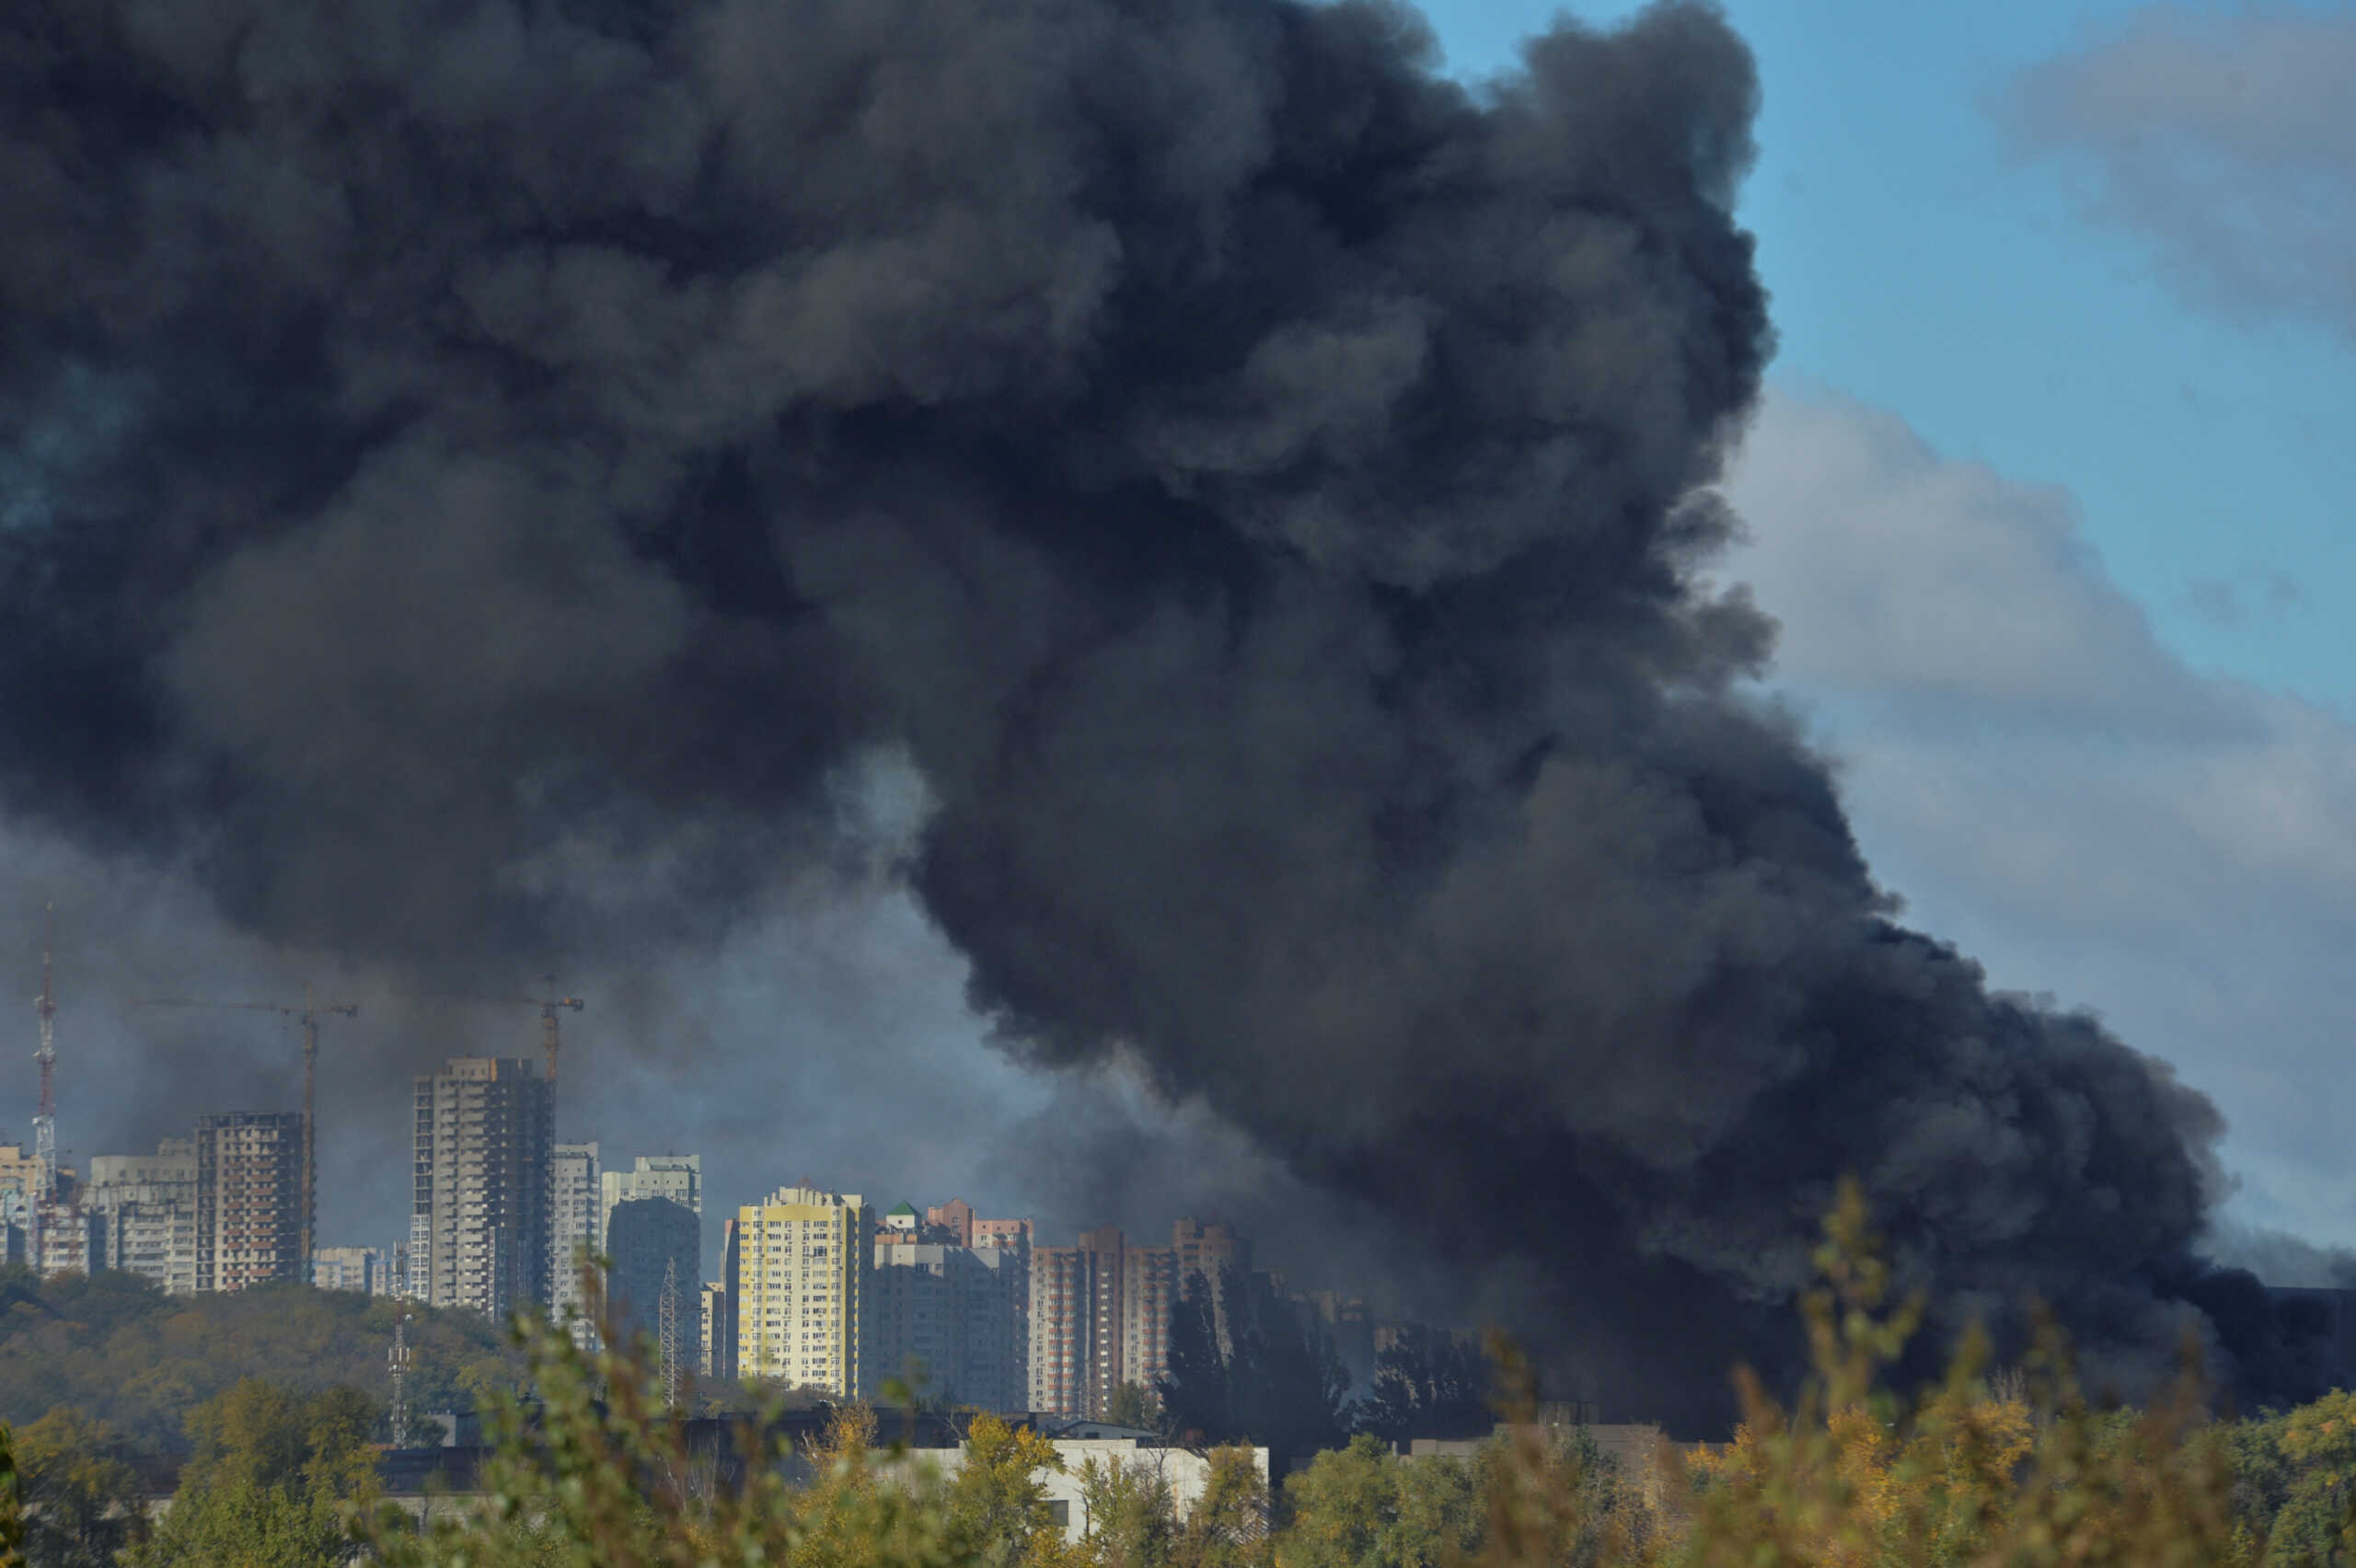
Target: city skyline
{"x": 262, "y": 1053}
{"x": 1210, "y": 660}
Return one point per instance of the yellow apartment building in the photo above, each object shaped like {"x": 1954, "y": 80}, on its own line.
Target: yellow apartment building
{"x": 801, "y": 1288}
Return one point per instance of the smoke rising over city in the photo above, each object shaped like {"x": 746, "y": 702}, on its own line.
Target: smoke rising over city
{"x": 483, "y": 480}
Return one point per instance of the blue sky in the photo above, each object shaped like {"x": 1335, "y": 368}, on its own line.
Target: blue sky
{"x": 2048, "y": 493}
{"x": 1923, "y": 261}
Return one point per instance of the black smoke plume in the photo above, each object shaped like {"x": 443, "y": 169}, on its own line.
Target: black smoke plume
{"x": 478, "y": 469}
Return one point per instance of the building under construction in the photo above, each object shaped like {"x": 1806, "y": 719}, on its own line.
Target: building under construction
{"x": 249, "y": 1199}
{"x": 479, "y": 1231}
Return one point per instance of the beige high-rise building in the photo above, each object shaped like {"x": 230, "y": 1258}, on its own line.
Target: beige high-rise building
{"x": 365, "y": 1270}
{"x": 61, "y": 1224}
{"x": 800, "y": 1289}
{"x": 142, "y": 1209}
{"x": 1100, "y": 1318}
{"x": 485, "y": 1130}
{"x": 249, "y": 1199}
{"x": 573, "y": 1230}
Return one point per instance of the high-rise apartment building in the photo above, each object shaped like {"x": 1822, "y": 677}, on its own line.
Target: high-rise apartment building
{"x": 573, "y": 1212}
{"x": 949, "y": 1317}
{"x": 365, "y": 1270}
{"x": 677, "y": 1177}
{"x": 716, "y": 1332}
{"x": 1100, "y": 1318}
{"x": 1210, "y": 1249}
{"x": 648, "y": 1241}
{"x": 248, "y": 1198}
{"x": 800, "y": 1284}
{"x": 1221, "y": 1258}
{"x": 720, "y": 1309}
{"x": 484, "y": 1133}
{"x": 143, "y": 1213}
{"x": 968, "y": 1228}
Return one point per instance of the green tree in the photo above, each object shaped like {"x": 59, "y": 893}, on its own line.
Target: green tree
{"x": 12, "y": 1518}
{"x": 2313, "y": 1472}
{"x": 998, "y": 1510}
{"x": 1228, "y": 1527}
{"x": 1429, "y": 1384}
{"x": 117, "y": 1348}
{"x": 1276, "y": 1380}
{"x": 1287, "y": 1388}
{"x": 1130, "y": 1520}
{"x": 1363, "y": 1507}
{"x": 1133, "y": 1404}
{"x": 1194, "y": 1388}
{"x": 82, "y": 1501}
{"x": 274, "y": 1474}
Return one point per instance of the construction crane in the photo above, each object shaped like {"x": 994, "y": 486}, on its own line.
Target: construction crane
{"x": 551, "y": 1006}
{"x": 308, "y": 1014}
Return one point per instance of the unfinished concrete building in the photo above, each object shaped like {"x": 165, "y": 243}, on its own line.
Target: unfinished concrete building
{"x": 485, "y": 1132}
{"x": 248, "y": 1198}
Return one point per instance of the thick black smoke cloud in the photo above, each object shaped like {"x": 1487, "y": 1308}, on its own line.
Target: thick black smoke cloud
{"x": 480, "y": 467}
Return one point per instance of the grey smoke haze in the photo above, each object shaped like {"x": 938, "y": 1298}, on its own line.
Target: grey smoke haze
{"x": 2225, "y": 139}
{"x": 484, "y": 475}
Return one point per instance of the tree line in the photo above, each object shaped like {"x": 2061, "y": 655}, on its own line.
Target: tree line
{"x": 1978, "y": 1469}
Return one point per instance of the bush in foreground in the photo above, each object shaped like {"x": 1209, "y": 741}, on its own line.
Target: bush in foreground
{"x": 1975, "y": 1472}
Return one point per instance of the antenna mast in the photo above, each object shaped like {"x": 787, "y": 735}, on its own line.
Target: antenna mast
{"x": 669, "y": 1329}
{"x": 399, "y": 1357}
{"x": 45, "y": 1122}
{"x": 306, "y": 1246}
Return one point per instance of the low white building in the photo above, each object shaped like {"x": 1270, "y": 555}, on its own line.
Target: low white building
{"x": 1185, "y": 1472}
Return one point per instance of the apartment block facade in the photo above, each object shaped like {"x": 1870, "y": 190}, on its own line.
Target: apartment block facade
{"x": 249, "y": 1199}
{"x": 1098, "y": 1318}
{"x": 646, "y": 1240}
{"x": 948, "y": 1317}
{"x": 143, "y": 1214}
{"x": 678, "y": 1178}
{"x": 365, "y": 1270}
{"x": 484, "y": 1136}
{"x": 716, "y": 1332}
{"x": 799, "y": 1288}
{"x": 573, "y": 1230}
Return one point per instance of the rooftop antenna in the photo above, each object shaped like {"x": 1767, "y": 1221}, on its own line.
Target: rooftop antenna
{"x": 45, "y": 1122}
{"x": 398, "y": 1358}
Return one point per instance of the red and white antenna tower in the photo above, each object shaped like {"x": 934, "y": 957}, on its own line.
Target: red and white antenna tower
{"x": 45, "y": 1124}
